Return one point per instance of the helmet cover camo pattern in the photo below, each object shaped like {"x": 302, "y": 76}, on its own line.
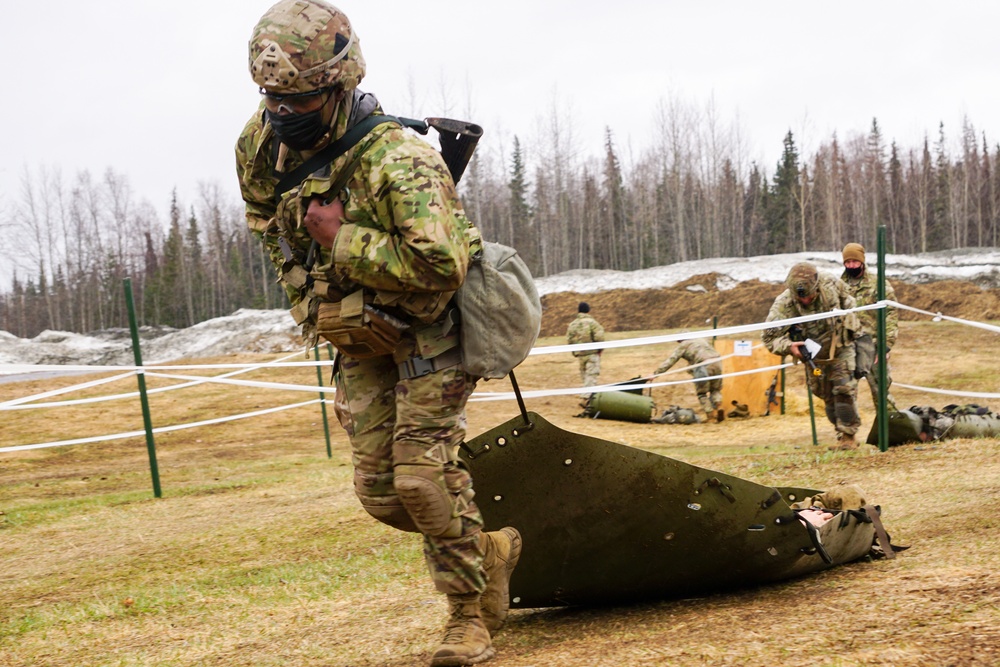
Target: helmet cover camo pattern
{"x": 803, "y": 280}
{"x": 300, "y": 46}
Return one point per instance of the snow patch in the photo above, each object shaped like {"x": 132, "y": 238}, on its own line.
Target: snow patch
{"x": 249, "y": 330}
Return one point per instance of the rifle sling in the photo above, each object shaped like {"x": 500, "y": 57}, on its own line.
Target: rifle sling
{"x": 332, "y": 151}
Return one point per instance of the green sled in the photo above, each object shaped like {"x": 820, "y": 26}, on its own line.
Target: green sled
{"x": 604, "y": 522}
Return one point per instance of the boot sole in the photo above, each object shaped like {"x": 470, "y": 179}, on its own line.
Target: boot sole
{"x": 460, "y": 661}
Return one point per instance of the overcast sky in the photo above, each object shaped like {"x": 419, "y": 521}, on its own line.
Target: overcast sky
{"x": 159, "y": 91}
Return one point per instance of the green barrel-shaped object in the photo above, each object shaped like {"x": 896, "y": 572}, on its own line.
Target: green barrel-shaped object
{"x": 620, "y": 405}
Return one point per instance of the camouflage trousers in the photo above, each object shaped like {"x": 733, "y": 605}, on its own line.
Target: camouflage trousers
{"x": 590, "y": 370}
{"x": 414, "y": 424}
{"x": 709, "y": 390}
{"x": 837, "y": 388}
{"x": 866, "y": 362}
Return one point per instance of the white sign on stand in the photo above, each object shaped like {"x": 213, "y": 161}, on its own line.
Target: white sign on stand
{"x": 743, "y": 348}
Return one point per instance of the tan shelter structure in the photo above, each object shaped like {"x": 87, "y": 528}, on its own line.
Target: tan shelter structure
{"x": 750, "y": 389}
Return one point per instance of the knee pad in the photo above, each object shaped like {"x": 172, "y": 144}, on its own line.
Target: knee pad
{"x": 435, "y": 497}
{"x": 831, "y": 412}
{"x": 378, "y": 497}
{"x": 846, "y": 410}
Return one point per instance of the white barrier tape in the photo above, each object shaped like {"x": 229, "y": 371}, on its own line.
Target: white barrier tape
{"x": 162, "y": 429}
{"x": 597, "y": 389}
{"x": 638, "y": 381}
{"x": 133, "y": 394}
{"x": 64, "y": 390}
{"x": 6, "y": 369}
{"x": 251, "y": 383}
{"x": 330, "y": 389}
{"x": 682, "y": 369}
{"x": 485, "y": 396}
{"x": 947, "y": 392}
{"x": 988, "y": 327}
{"x": 704, "y": 333}
{"x": 551, "y": 349}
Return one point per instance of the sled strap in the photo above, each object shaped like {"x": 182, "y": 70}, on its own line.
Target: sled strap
{"x": 520, "y": 402}
{"x": 883, "y": 537}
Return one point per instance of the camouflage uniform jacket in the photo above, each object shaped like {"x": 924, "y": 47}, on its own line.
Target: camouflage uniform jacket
{"x": 405, "y": 238}
{"x": 584, "y": 329}
{"x": 832, "y": 294}
{"x": 693, "y": 351}
{"x": 864, "y": 289}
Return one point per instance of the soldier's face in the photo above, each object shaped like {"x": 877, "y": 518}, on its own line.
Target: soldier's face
{"x": 852, "y": 264}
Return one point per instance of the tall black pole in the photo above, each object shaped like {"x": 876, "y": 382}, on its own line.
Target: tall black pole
{"x": 882, "y": 410}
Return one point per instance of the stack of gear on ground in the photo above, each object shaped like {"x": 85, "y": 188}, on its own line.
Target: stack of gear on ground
{"x": 739, "y": 411}
{"x": 675, "y": 414}
{"x": 927, "y": 424}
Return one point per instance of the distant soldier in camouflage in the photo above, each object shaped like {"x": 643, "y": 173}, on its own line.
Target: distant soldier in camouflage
{"x": 370, "y": 248}
{"x": 699, "y": 354}
{"x": 808, "y": 293}
{"x": 585, "y": 329}
{"x": 863, "y": 285}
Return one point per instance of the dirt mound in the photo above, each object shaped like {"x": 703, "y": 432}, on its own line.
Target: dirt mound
{"x": 696, "y": 301}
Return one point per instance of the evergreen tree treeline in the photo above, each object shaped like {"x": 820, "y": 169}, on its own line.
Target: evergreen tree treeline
{"x": 690, "y": 195}
{"x": 86, "y": 239}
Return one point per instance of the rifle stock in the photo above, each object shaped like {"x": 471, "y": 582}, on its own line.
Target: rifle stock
{"x": 458, "y": 141}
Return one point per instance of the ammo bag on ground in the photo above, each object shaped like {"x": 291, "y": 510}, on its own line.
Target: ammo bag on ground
{"x": 501, "y": 312}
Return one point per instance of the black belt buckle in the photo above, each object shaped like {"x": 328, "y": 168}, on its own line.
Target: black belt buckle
{"x": 418, "y": 367}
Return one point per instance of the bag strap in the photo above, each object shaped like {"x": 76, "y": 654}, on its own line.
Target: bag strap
{"x": 332, "y": 151}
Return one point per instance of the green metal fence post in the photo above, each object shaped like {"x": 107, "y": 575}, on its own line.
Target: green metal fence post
{"x": 882, "y": 408}
{"x": 147, "y": 421}
{"x": 812, "y": 414}
{"x": 322, "y": 403}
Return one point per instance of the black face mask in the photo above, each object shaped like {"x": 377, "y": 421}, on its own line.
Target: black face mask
{"x": 854, "y": 273}
{"x": 298, "y": 131}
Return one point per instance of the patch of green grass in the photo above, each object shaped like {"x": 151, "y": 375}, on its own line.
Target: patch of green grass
{"x": 259, "y": 553}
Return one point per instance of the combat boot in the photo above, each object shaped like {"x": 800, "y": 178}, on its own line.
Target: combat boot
{"x": 844, "y": 443}
{"x": 466, "y": 640}
{"x": 501, "y": 549}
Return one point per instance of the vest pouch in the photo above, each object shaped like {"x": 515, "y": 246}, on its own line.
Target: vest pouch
{"x": 826, "y": 349}
{"x": 356, "y": 328}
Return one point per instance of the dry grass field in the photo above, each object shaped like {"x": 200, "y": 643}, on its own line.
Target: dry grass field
{"x": 259, "y": 554}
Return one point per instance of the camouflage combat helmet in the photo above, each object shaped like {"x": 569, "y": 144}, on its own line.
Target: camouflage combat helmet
{"x": 300, "y": 46}
{"x": 802, "y": 280}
